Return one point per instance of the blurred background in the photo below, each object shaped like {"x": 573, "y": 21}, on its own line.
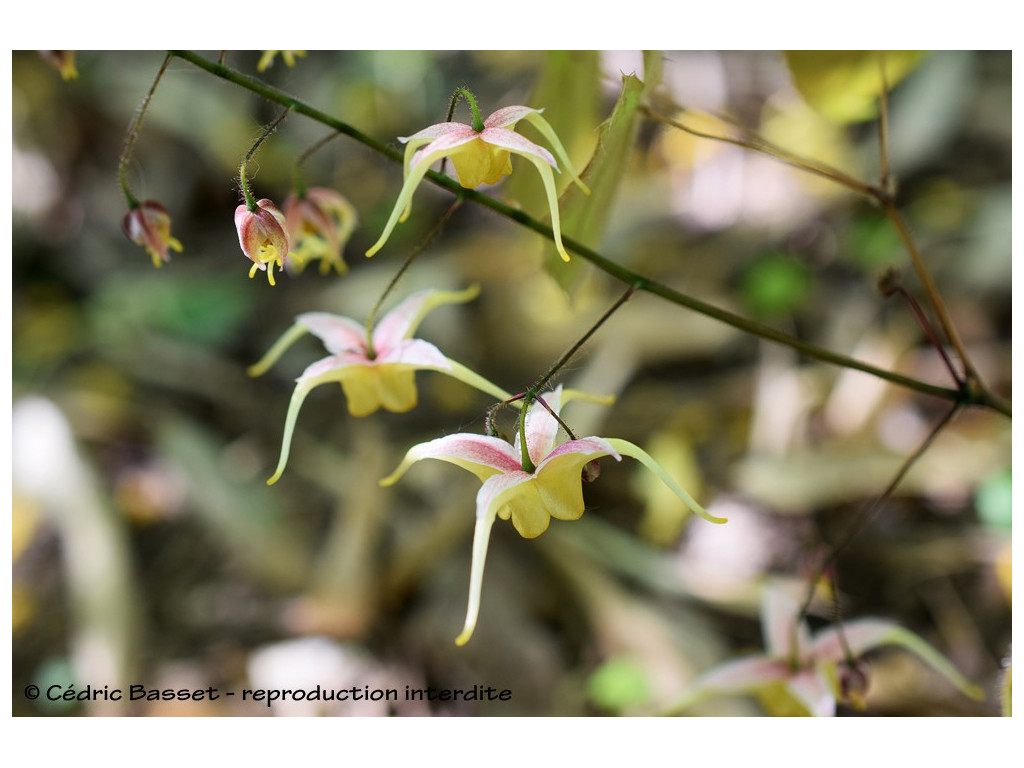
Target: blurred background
{"x": 148, "y": 549}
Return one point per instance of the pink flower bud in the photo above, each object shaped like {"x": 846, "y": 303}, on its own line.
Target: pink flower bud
{"x": 319, "y": 224}
{"x": 262, "y": 235}
{"x": 149, "y": 224}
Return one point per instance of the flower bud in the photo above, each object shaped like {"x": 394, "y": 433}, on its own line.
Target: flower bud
{"x": 853, "y": 683}
{"x": 262, "y": 236}
{"x": 149, "y": 224}
{"x": 62, "y": 61}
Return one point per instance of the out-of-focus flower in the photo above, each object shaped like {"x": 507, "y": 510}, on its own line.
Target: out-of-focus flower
{"x": 62, "y": 61}
{"x": 375, "y": 371}
{"x": 481, "y": 155}
{"x": 528, "y": 485}
{"x": 262, "y": 235}
{"x": 149, "y": 224}
{"x": 267, "y": 59}
{"x": 802, "y": 674}
{"x": 319, "y": 223}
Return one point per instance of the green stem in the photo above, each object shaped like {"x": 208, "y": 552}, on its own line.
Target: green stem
{"x": 973, "y": 396}
{"x": 863, "y": 518}
{"x": 528, "y": 465}
{"x": 568, "y": 354}
{"x": 250, "y": 201}
{"x": 297, "y": 178}
{"x": 478, "y": 122}
{"x": 371, "y": 319}
{"x": 133, "y": 134}
{"x": 930, "y": 288}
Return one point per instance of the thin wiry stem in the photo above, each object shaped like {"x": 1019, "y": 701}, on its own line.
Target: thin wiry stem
{"x": 243, "y": 181}
{"x": 133, "y": 134}
{"x": 298, "y": 179}
{"x": 371, "y": 319}
{"x": 862, "y": 519}
{"x": 568, "y": 354}
{"x": 757, "y": 144}
{"x": 885, "y": 182}
{"x": 972, "y": 390}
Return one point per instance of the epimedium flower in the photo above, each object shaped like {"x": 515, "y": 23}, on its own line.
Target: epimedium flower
{"x": 149, "y": 224}
{"x": 267, "y": 59}
{"x": 263, "y": 237}
{"x": 319, "y": 222}
{"x": 801, "y": 673}
{"x": 529, "y": 484}
{"x": 375, "y": 370}
{"x": 481, "y": 153}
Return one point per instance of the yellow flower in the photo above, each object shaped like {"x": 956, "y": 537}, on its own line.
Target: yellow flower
{"x": 375, "y": 372}
{"x": 802, "y": 674}
{"x": 529, "y": 497}
{"x": 481, "y": 155}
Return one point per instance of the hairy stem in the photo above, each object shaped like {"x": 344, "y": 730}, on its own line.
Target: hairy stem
{"x": 133, "y": 134}
{"x": 371, "y": 319}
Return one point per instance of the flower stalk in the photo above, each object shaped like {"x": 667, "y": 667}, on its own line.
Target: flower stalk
{"x": 133, "y": 134}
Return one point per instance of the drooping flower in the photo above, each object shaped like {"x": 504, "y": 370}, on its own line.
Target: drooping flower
{"x": 375, "y": 372}
{"x": 267, "y": 59}
{"x": 62, "y": 61}
{"x": 262, "y": 235}
{"x": 149, "y": 224}
{"x": 804, "y": 674}
{"x": 481, "y": 155}
{"x": 319, "y": 223}
{"x": 528, "y": 487}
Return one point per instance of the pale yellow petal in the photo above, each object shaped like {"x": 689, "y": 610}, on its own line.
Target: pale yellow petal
{"x": 290, "y": 336}
{"x": 537, "y": 121}
{"x": 627, "y": 448}
{"x": 362, "y": 390}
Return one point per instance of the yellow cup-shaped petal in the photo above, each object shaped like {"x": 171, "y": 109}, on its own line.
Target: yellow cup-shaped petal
{"x": 480, "y": 163}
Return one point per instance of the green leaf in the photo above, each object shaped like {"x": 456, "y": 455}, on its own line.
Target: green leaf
{"x": 569, "y": 92}
{"x": 618, "y": 684}
{"x": 874, "y": 243}
{"x": 775, "y": 285}
{"x": 584, "y": 217}
{"x": 209, "y": 310}
{"x": 844, "y": 86}
{"x": 994, "y": 500}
